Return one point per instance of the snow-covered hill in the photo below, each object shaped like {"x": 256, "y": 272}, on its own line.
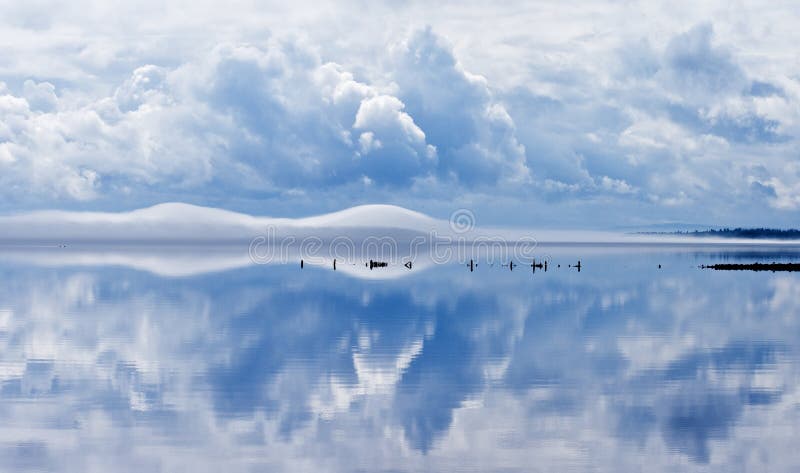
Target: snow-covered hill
{"x": 178, "y": 221}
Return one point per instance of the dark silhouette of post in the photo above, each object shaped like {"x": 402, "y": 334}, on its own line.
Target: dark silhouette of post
{"x": 471, "y": 266}
{"x": 377, "y": 264}
{"x": 334, "y": 264}
{"x": 301, "y": 264}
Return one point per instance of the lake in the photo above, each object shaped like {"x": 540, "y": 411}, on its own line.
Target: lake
{"x": 142, "y": 359}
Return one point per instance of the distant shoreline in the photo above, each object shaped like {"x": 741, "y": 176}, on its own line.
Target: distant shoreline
{"x": 748, "y": 233}
{"x": 754, "y": 267}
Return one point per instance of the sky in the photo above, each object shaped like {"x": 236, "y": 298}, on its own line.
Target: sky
{"x": 601, "y": 114}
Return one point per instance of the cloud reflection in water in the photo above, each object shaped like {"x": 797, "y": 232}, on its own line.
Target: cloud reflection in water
{"x": 276, "y": 368}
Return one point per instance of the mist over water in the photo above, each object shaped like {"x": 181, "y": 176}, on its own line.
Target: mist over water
{"x": 172, "y": 360}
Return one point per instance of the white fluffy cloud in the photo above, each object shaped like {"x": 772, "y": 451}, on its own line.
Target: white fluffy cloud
{"x": 546, "y": 110}
{"x": 259, "y": 118}
{"x": 473, "y": 131}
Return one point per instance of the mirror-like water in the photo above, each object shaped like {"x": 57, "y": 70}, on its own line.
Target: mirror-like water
{"x": 106, "y": 365}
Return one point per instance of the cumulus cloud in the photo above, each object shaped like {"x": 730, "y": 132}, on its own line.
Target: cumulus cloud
{"x": 296, "y": 121}
{"x": 472, "y": 130}
{"x": 393, "y": 147}
{"x": 146, "y": 84}
{"x": 261, "y": 117}
{"x": 266, "y": 119}
{"x": 677, "y": 125}
{"x": 643, "y": 123}
{"x": 92, "y": 151}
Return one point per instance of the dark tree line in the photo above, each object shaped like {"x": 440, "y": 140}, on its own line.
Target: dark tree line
{"x": 775, "y": 233}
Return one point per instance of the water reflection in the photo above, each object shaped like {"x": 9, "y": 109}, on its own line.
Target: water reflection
{"x": 618, "y": 367}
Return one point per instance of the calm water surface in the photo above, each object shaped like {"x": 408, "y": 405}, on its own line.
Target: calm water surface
{"x": 132, "y": 361}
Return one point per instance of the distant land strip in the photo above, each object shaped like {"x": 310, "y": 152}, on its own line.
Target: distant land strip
{"x": 754, "y": 267}
{"x": 754, "y": 233}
